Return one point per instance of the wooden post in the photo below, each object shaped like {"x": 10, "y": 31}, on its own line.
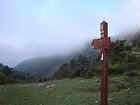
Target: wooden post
{"x": 104, "y": 44}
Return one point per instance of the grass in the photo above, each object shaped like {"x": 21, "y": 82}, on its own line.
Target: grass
{"x": 76, "y": 91}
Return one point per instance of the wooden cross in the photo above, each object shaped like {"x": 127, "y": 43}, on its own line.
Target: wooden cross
{"x": 103, "y": 44}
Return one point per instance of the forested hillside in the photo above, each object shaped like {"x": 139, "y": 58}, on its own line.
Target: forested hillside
{"x": 9, "y": 75}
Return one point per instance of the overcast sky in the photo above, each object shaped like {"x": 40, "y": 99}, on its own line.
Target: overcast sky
{"x": 31, "y": 28}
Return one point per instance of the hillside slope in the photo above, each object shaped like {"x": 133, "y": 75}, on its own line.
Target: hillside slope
{"x": 44, "y": 67}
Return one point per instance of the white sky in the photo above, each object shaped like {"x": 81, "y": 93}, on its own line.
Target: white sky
{"x": 31, "y": 28}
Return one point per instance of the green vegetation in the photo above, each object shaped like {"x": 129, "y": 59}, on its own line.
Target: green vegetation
{"x": 123, "y": 90}
{"x": 82, "y": 67}
{"x": 9, "y": 75}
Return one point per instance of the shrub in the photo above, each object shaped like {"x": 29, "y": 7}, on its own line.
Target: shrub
{"x": 131, "y": 74}
{"x": 115, "y": 69}
{"x": 131, "y": 58}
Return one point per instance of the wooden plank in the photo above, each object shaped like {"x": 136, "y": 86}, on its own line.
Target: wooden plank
{"x": 101, "y": 43}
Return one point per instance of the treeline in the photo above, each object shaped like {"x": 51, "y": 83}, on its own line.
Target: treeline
{"x": 121, "y": 60}
{"x": 9, "y": 75}
{"x": 82, "y": 67}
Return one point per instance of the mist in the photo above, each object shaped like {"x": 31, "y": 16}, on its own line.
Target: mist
{"x": 33, "y": 28}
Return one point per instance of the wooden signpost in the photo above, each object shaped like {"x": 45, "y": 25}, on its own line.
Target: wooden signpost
{"x": 103, "y": 44}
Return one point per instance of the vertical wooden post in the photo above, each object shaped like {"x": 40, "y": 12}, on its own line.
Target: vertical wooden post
{"x": 104, "y": 44}
{"x": 104, "y": 66}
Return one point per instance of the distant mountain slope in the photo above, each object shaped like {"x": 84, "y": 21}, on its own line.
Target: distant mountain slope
{"x": 44, "y": 67}
{"x": 40, "y": 67}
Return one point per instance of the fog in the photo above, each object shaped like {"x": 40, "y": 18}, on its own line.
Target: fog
{"x": 32, "y": 28}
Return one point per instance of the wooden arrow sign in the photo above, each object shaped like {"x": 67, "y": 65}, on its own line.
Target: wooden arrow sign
{"x": 97, "y": 43}
{"x": 101, "y": 43}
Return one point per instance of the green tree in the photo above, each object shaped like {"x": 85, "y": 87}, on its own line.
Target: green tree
{"x": 117, "y": 51}
{"x": 2, "y": 78}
